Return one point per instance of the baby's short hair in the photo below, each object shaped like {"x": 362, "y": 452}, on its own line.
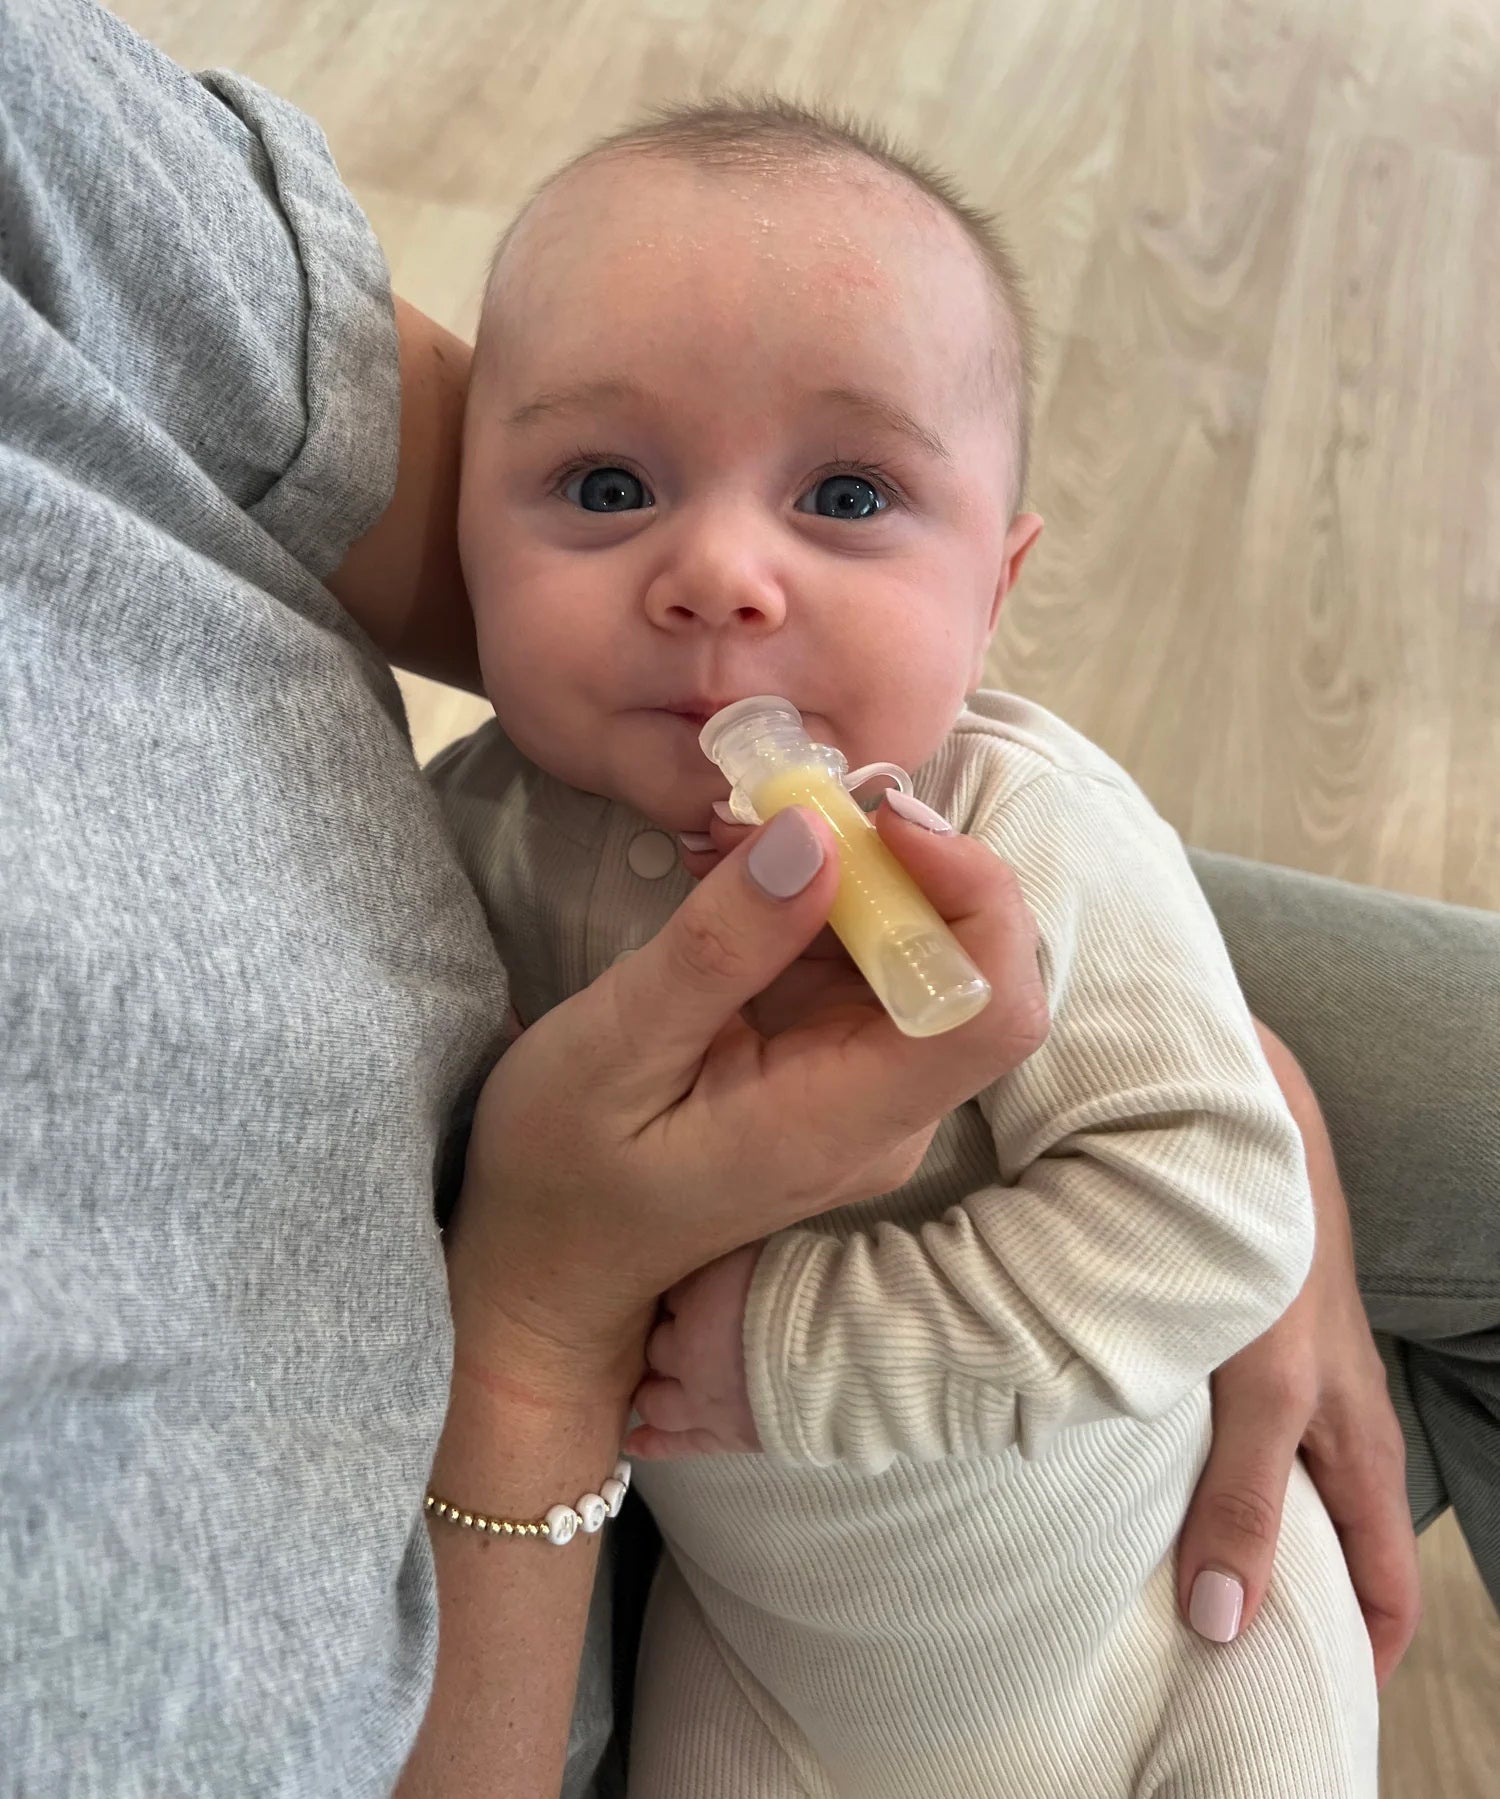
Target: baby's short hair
{"x": 769, "y": 134}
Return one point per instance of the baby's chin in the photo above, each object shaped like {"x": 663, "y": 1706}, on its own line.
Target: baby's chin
{"x": 661, "y": 774}
{"x": 670, "y": 801}
{"x": 671, "y": 812}
{"x": 670, "y": 783}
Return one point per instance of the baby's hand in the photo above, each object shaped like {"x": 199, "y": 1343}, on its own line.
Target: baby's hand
{"x": 694, "y": 1399}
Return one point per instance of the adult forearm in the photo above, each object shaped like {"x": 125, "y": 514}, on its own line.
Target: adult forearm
{"x": 402, "y": 580}
{"x": 511, "y": 1611}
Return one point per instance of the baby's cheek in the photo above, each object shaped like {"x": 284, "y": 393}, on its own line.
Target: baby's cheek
{"x": 907, "y": 719}
{"x": 527, "y": 663}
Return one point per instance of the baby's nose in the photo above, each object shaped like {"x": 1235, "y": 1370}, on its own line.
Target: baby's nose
{"x": 717, "y": 589}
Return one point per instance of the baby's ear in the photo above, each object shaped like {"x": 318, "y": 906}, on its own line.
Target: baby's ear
{"x": 1025, "y": 529}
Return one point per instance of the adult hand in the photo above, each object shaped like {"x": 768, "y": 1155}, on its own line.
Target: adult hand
{"x": 1313, "y": 1383}
{"x": 644, "y": 1128}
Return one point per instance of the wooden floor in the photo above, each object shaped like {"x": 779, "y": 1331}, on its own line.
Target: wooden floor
{"x": 1265, "y": 245}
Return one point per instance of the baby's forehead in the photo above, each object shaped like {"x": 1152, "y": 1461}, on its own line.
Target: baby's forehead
{"x": 662, "y": 218}
{"x": 644, "y": 259}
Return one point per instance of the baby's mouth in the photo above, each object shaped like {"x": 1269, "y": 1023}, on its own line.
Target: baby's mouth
{"x": 695, "y": 712}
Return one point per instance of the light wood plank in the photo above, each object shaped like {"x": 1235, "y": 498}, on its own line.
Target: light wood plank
{"x": 1337, "y": 742}
{"x": 1471, "y": 871}
{"x": 1424, "y": 73}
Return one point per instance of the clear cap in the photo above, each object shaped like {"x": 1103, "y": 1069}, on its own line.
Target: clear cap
{"x": 762, "y": 714}
{"x": 752, "y": 736}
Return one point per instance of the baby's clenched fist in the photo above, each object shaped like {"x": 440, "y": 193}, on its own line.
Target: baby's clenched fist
{"x": 693, "y": 1399}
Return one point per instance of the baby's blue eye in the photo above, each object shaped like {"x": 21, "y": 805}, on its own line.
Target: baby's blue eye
{"x": 844, "y": 496}
{"x": 607, "y": 490}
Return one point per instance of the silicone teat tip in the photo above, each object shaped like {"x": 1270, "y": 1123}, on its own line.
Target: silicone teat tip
{"x": 726, "y": 716}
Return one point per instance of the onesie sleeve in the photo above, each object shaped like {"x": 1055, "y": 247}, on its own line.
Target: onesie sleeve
{"x": 1147, "y": 1214}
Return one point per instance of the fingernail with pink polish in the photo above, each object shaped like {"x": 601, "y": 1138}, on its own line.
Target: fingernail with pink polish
{"x": 911, "y": 809}
{"x": 723, "y": 809}
{"x": 786, "y": 855}
{"x": 1216, "y": 1605}
{"x": 695, "y": 841}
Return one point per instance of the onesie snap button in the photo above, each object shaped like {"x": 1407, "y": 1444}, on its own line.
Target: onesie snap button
{"x": 651, "y": 855}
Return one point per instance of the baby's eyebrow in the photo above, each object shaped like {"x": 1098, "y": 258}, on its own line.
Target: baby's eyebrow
{"x": 587, "y": 395}
{"x": 888, "y": 413}
{"x": 581, "y": 398}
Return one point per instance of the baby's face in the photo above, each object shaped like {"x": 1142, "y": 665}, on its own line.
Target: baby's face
{"x": 733, "y": 435}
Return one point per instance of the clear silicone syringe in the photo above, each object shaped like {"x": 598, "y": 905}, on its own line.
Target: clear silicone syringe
{"x": 897, "y": 939}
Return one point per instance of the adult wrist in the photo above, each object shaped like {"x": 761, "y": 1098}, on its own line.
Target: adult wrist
{"x": 523, "y": 1346}
{"x": 524, "y": 1423}
{"x": 514, "y": 1447}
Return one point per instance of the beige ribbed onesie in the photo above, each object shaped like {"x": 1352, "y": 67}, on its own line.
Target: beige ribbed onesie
{"x": 984, "y": 1397}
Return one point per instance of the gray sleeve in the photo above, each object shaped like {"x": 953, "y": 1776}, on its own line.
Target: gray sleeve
{"x": 191, "y": 299}
{"x": 245, "y": 988}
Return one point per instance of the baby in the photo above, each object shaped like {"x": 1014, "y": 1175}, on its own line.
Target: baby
{"x": 748, "y": 415}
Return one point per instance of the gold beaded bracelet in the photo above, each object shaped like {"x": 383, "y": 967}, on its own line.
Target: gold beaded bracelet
{"x": 561, "y": 1523}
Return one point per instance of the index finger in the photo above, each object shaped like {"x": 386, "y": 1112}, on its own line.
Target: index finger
{"x": 1364, "y": 1489}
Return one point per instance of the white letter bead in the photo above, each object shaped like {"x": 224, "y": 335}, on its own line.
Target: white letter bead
{"x": 622, "y": 1474}
{"x": 562, "y": 1521}
{"x": 592, "y": 1511}
{"x": 613, "y": 1492}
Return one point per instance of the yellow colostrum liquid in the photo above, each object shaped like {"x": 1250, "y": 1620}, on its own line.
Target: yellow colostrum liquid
{"x": 897, "y": 939}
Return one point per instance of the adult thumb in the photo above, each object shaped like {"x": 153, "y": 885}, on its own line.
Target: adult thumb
{"x": 729, "y": 939}
{"x": 1228, "y": 1543}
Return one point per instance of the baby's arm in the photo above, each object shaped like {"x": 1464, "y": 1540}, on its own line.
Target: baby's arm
{"x": 1151, "y": 1214}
